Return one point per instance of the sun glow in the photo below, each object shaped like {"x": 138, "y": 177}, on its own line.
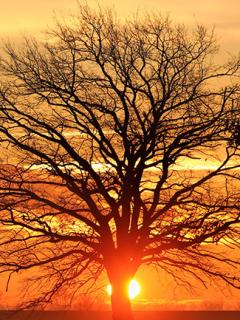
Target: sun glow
{"x": 133, "y": 289}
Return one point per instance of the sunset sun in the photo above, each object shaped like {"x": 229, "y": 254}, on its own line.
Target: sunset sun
{"x": 133, "y": 289}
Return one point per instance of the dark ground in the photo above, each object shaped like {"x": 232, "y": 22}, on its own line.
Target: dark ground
{"x": 105, "y": 315}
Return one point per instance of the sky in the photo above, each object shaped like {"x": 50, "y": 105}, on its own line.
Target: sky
{"x": 21, "y": 17}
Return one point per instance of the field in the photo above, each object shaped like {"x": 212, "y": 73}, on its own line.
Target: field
{"x": 149, "y": 315}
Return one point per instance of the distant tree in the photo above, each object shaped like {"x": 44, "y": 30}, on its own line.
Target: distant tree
{"x": 101, "y": 128}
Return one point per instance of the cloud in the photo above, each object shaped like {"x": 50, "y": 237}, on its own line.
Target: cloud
{"x": 188, "y": 304}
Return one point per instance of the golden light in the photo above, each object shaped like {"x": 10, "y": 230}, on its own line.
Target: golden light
{"x": 109, "y": 290}
{"x": 133, "y": 289}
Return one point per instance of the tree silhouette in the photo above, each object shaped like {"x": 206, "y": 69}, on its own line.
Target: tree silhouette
{"x": 102, "y": 128}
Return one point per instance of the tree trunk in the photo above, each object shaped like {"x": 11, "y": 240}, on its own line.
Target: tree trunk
{"x": 121, "y": 305}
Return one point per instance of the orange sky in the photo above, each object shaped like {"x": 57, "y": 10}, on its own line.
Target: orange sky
{"x": 28, "y": 16}
{"x": 19, "y": 17}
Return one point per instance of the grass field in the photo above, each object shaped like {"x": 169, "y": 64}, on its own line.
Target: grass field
{"x": 95, "y": 315}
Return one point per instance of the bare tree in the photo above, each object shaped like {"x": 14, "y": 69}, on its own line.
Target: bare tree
{"x": 102, "y": 126}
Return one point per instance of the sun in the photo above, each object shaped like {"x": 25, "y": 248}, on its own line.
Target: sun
{"x": 133, "y": 289}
